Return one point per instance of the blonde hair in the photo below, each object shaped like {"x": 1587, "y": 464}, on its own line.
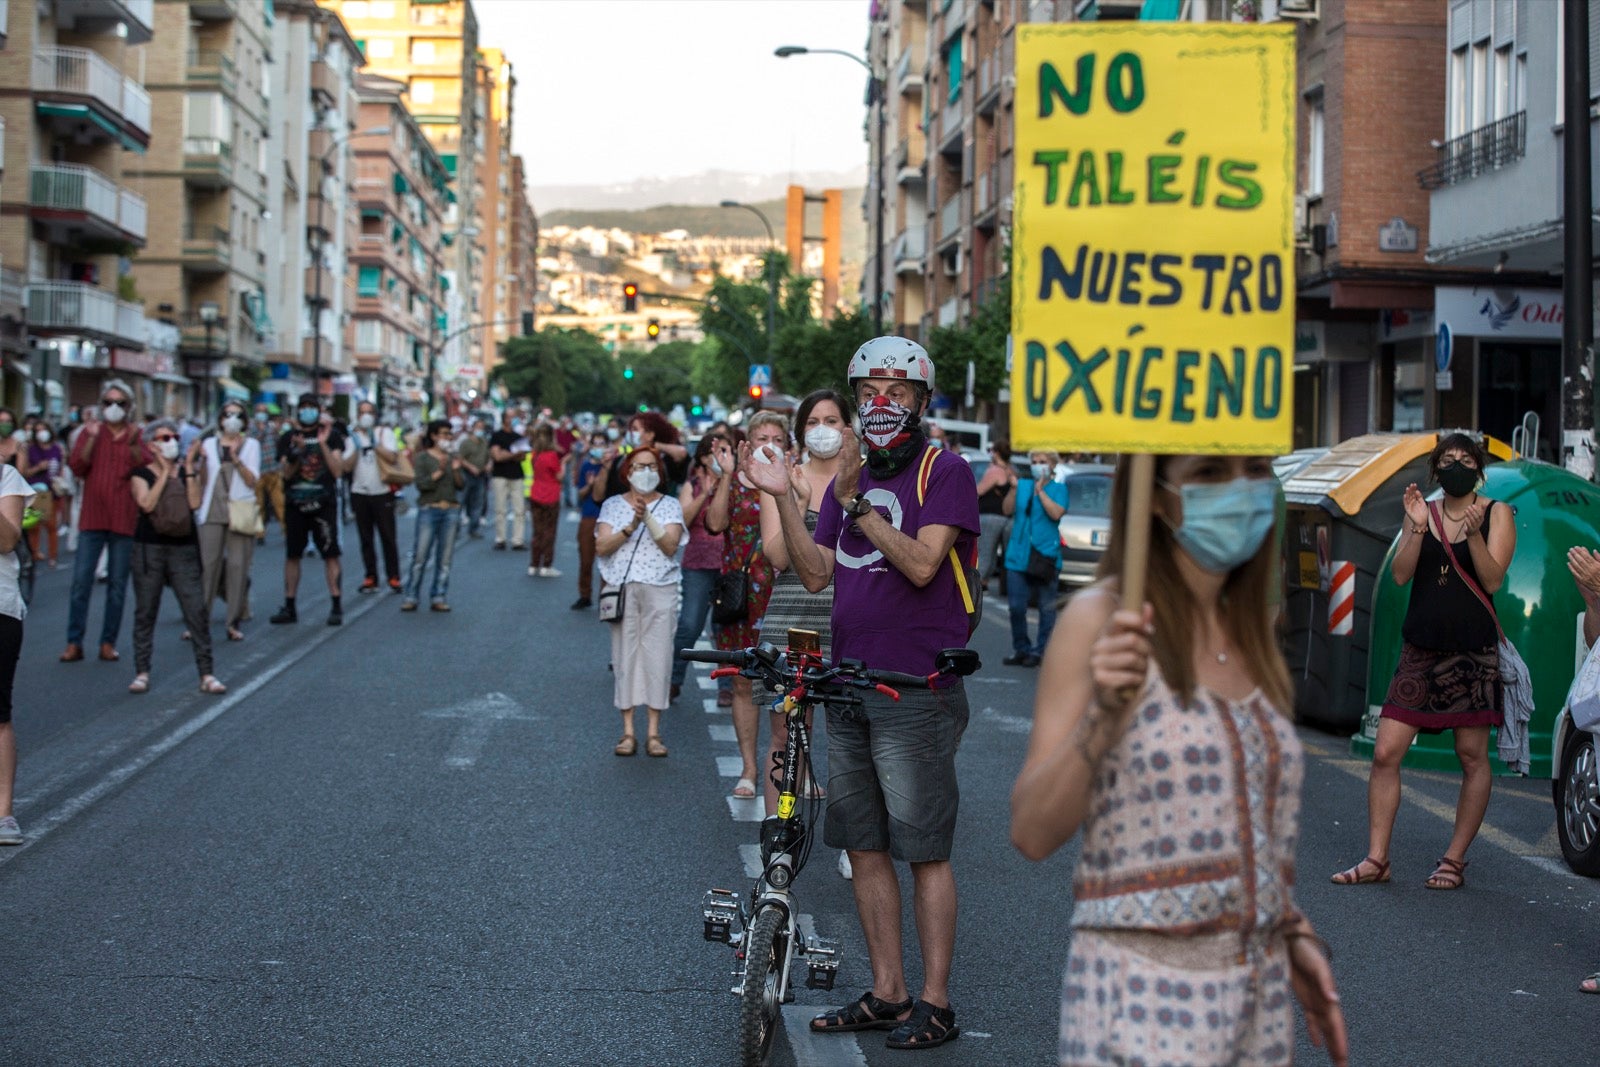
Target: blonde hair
{"x": 769, "y": 418}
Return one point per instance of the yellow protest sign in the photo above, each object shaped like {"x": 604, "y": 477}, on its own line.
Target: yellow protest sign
{"x": 1153, "y": 241}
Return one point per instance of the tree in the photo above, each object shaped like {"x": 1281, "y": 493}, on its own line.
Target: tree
{"x": 982, "y": 342}
{"x": 563, "y": 370}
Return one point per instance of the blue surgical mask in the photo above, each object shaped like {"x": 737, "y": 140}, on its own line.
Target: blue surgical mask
{"x": 1040, "y": 471}
{"x": 595, "y": 453}
{"x": 1224, "y": 525}
{"x": 309, "y": 415}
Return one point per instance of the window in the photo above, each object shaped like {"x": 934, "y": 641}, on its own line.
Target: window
{"x": 1504, "y": 91}
{"x": 380, "y": 48}
{"x": 208, "y": 115}
{"x": 1480, "y": 85}
{"x": 421, "y": 91}
{"x": 382, "y": 9}
{"x": 952, "y": 64}
{"x": 356, "y": 9}
{"x": 369, "y": 281}
{"x": 1315, "y": 122}
{"x": 369, "y": 335}
{"x": 422, "y": 51}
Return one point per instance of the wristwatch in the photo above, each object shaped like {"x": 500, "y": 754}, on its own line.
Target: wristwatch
{"x": 858, "y": 507}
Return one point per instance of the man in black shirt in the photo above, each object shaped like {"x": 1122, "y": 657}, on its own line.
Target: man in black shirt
{"x": 506, "y": 448}
{"x": 314, "y": 456}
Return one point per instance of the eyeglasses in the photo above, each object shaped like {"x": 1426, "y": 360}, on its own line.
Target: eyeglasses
{"x": 163, "y": 437}
{"x": 644, "y": 466}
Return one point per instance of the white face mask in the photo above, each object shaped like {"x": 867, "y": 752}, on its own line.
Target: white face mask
{"x": 644, "y": 480}
{"x": 232, "y": 424}
{"x": 43, "y": 437}
{"x": 1041, "y": 471}
{"x": 824, "y": 441}
{"x": 168, "y": 449}
{"x": 113, "y": 413}
{"x": 367, "y": 420}
{"x": 635, "y": 438}
{"x": 20, "y": 437}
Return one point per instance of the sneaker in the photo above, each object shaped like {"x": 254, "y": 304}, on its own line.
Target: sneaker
{"x": 1016, "y": 659}
{"x": 10, "y": 832}
{"x": 499, "y": 546}
{"x": 582, "y": 603}
{"x": 439, "y": 605}
{"x": 845, "y": 870}
{"x": 285, "y": 614}
{"x": 368, "y": 585}
{"x": 394, "y": 585}
{"x": 535, "y": 572}
{"x": 551, "y": 572}
{"x": 336, "y": 617}
{"x": 408, "y": 605}
{"x": 519, "y": 547}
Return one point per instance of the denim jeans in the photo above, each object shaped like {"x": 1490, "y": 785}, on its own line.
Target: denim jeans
{"x": 697, "y": 585}
{"x": 436, "y": 533}
{"x": 474, "y": 502}
{"x": 119, "y": 555}
{"x": 1018, "y": 588}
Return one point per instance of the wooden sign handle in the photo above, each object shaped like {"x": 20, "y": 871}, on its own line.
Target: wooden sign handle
{"x": 1136, "y": 530}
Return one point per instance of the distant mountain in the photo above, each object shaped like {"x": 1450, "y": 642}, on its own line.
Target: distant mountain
{"x": 701, "y": 221}
{"x": 707, "y": 187}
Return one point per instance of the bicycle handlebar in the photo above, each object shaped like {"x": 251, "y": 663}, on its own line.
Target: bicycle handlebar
{"x": 708, "y": 655}
{"x": 748, "y": 658}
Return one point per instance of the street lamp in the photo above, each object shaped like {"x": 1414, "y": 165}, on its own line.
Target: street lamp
{"x": 772, "y": 275}
{"x": 877, "y": 96}
{"x": 209, "y": 313}
{"x": 324, "y": 167}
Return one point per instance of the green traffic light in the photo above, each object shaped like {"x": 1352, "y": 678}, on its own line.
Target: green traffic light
{"x": 697, "y": 410}
{"x": 627, "y": 372}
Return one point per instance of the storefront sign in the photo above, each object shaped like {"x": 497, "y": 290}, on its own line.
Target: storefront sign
{"x": 1404, "y": 324}
{"x": 1397, "y": 235}
{"x": 146, "y": 363}
{"x": 1154, "y": 238}
{"x": 80, "y": 355}
{"x": 1309, "y": 341}
{"x": 1487, "y": 311}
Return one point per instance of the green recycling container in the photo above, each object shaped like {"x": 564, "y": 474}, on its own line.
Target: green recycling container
{"x": 1539, "y": 606}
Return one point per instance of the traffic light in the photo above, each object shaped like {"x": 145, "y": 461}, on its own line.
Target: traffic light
{"x": 630, "y": 298}
{"x": 653, "y": 329}
{"x": 697, "y": 410}
{"x": 527, "y": 324}
{"x": 756, "y": 392}
{"x": 627, "y": 372}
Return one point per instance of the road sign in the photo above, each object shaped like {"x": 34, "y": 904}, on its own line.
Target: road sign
{"x": 760, "y": 374}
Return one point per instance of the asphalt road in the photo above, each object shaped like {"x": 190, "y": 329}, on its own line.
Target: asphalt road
{"x": 406, "y": 841}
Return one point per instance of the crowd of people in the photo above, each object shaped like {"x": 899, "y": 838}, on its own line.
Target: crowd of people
{"x": 852, "y": 521}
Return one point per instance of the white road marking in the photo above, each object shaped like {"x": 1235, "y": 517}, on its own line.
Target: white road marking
{"x": 42, "y": 827}
{"x": 993, "y": 681}
{"x": 705, "y": 681}
{"x": 1011, "y": 724}
{"x": 818, "y": 1050}
{"x": 750, "y": 856}
{"x": 747, "y": 809}
{"x": 729, "y": 766}
{"x": 481, "y": 715}
{"x": 722, "y": 731}
{"x": 711, "y": 706}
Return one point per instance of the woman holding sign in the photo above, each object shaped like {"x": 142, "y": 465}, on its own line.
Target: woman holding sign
{"x": 1160, "y": 731}
{"x": 1457, "y": 550}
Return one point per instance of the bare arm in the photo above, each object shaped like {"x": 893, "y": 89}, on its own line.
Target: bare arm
{"x": 145, "y": 494}
{"x": 1492, "y": 557}
{"x": 193, "y": 489}
{"x": 1414, "y": 526}
{"x": 717, "y": 505}
{"x": 1008, "y": 506}
{"x": 1072, "y": 728}
{"x": 689, "y": 502}
{"x": 812, "y": 563}
{"x": 1051, "y": 508}
{"x": 10, "y": 522}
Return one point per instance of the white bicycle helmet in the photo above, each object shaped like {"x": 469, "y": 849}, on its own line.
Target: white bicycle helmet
{"x": 891, "y": 357}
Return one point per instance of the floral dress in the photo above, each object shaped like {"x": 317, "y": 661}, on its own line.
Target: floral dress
{"x": 742, "y": 542}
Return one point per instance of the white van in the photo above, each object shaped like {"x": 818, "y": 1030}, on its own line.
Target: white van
{"x": 972, "y": 437}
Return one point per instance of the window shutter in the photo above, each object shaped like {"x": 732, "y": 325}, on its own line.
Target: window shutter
{"x": 1504, "y": 21}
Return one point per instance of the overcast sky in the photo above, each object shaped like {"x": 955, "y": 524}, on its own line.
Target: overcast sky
{"x": 613, "y": 90}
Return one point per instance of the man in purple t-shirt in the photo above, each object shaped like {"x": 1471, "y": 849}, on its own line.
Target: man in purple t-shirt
{"x": 884, "y": 538}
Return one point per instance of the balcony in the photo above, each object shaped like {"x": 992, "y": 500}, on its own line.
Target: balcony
{"x": 949, "y": 312}
{"x": 207, "y": 249}
{"x": 92, "y": 89}
{"x": 950, "y": 219}
{"x": 81, "y": 308}
{"x": 910, "y": 156}
{"x": 950, "y": 127}
{"x": 207, "y": 162}
{"x": 325, "y": 81}
{"x": 320, "y": 285}
{"x": 213, "y": 10}
{"x": 908, "y": 71}
{"x": 909, "y": 249}
{"x": 1486, "y": 148}
{"x": 988, "y": 191}
{"x": 208, "y": 69}
{"x": 65, "y": 196}
{"x": 104, "y": 16}
{"x": 988, "y": 87}
{"x": 12, "y": 287}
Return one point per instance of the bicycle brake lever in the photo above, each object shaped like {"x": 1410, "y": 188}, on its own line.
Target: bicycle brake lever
{"x": 724, "y": 672}
{"x": 892, "y": 694}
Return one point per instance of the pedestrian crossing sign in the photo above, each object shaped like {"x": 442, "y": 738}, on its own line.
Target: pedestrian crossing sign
{"x": 760, "y": 374}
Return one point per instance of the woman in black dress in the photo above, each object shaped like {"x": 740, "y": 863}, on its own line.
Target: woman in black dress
{"x": 1449, "y": 672}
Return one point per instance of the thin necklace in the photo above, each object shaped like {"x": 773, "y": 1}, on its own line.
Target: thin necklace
{"x": 1457, "y": 518}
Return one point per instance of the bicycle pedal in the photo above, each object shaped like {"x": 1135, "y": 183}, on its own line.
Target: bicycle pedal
{"x": 822, "y": 962}
{"x": 720, "y": 910}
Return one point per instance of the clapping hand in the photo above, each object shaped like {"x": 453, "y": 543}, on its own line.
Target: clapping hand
{"x": 1584, "y": 563}
{"x": 847, "y": 482}
{"x": 771, "y": 477}
{"x": 1473, "y": 519}
{"x": 1416, "y": 507}
{"x": 801, "y": 487}
{"x": 322, "y": 433}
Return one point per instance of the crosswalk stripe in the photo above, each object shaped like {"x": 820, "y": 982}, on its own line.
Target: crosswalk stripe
{"x": 722, "y": 731}
{"x": 729, "y": 766}
{"x": 752, "y": 809}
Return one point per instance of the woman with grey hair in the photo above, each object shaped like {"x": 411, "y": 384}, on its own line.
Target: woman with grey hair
{"x": 166, "y": 554}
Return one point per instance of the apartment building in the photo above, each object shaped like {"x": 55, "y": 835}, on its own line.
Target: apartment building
{"x": 524, "y": 249}
{"x": 1494, "y": 189}
{"x": 431, "y": 46}
{"x": 496, "y": 207}
{"x": 205, "y": 265}
{"x": 312, "y": 223}
{"x": 402, "y": 190}
{"x": 72, "y": 208}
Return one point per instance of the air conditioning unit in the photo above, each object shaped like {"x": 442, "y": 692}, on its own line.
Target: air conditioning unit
{"x": 950, "y": 265}
{"x": 1301, "y": 10}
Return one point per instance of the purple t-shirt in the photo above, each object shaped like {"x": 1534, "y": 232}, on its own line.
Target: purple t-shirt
{"x": 879, "y": 616}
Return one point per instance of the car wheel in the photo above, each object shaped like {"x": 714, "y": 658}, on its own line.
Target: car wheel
{"x": 1578, "y": 804}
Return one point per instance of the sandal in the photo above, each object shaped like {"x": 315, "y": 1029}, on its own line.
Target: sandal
{"x": 140, "y": 684}
{"x": 627, "y": 746}
{"x": 927, "y": 1027}
{"x": 209, "y": 684}
{"x": 235, "y": 634}
{"x": 654, "y": 746}
{"x": 1450, "y": 874}
{"x": 867, "y": 1013}
{"x": 1353, "y": 875}
{"x": 745, "y": 788}
{"x": 1590, "y": 984}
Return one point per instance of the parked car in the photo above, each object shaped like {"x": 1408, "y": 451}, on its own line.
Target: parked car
{"x": 1086, "y": 527}
{"x": 1575, "y": 788}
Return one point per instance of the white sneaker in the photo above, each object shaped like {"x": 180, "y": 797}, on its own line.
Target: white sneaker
{"x": 551, "y": 572}
{"x": 844, "y": 867}
{"x": 10, "y": 832}
{"x": 533, "y": 572}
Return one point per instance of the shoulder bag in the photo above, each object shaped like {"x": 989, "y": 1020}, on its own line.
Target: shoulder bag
{"x": 1041, "y": 568}
{"x": 1515, "y": 682}
{"x": 611, "y": 601}
{"x": 244, "y": 516}
{"x": 171, "y": 516}
{"x": 396, "y": 472}
{"x": 730, "y": 594}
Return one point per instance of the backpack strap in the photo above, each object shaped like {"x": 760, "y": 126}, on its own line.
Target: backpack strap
{"x": 924, "y": 473}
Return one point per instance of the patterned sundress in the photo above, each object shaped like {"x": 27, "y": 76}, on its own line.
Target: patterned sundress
{"x": 743, "y": 539}
{"x": 1184, "y": 884}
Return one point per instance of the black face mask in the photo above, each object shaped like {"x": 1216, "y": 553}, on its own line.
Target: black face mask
{"x": 885, "y": 463}
{"x": 1457, "y": 479}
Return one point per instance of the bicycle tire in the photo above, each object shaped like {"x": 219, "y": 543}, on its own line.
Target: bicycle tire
{"x": 758, "y": 1000}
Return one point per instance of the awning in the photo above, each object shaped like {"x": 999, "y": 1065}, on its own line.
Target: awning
{"x": 278, "y": 387}
{"x": 83, "y": 112}
{"x": 171, "y": 379}
{"x": 232, "y": 390}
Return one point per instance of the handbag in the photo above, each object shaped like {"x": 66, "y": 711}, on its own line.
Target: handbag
{"x": 397, "y": 471}
{"x": 171, "y": 516}
{"x": 611, "y": 601}
{"x": 244, "y": 516}
{"x": 1515, "y": 682}
{"x": 1041, "y": 568}
{"x": 730, "y": 594}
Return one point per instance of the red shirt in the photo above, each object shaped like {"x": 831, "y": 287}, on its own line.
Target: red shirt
{"x": 107, "y": 495}
{"x": 546, "y": 478}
